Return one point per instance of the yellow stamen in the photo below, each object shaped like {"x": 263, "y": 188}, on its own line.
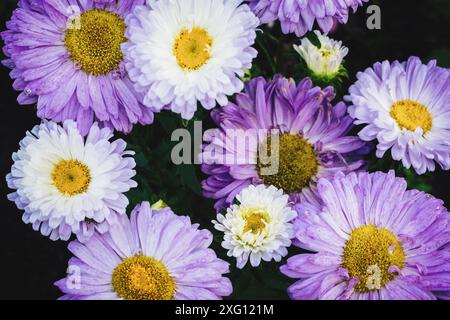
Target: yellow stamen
{"x": 94, "y": 40}
{"x": 297, "y": 164}
{"x": 256, "y": 220}
{"x": 192, "y": 48}
{"x": 410, "y": 115}
{"x": 71, "y": 177}
{"x": 369, "y": 253}
{"x": 326, "y": 52}
{"x": 143, "y": 278}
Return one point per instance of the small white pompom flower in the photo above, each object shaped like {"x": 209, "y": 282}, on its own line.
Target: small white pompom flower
{"x": 257, "y": 226}
{"x": 325, "y": 61}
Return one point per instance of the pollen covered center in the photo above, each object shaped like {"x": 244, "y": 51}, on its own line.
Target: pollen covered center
{"x": 93, "y": 40}
{"x": 192, "y": 48}
{"x": 369, "y": 253}
{"x": 297, "y": 163}
{"x": 255, "y": 220}
{"x": 143, "y": 278}
{"x": 71, "y": 177}
{"x": 410, "y": 115}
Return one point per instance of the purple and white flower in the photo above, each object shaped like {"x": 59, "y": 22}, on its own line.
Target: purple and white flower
{"x": 371, "y": 239}
{"x": 66, "y": 183}
{"x": 181, "y": 52}
{"x": 313, "y": 140}
{"x": 154, "y": 255}
{"x": 406, "y": 107}
{"x": 66, "y": 58}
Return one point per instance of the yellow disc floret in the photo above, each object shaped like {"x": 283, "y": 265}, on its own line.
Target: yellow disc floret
{"x": 326, "y": 53}
{"x": 297, "y": 164}
{"x": 410, "y": 115}
{"x": 93, "y": 41}
{"x": 71, "y": 177}
{"x": 255, "y": 220}
{"x": 369, "y": 253}
{"x": 143, "y": 278}
{"x": 192, "y": 48}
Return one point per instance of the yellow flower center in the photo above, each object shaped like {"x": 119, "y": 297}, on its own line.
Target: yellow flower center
{"x": 410, "y": 115}
{"x": 94, "y": 40}
{"x": 255, "y": 220}
{"x": 297, "y": 164}
{"x": 326, "y": 53}
{"x": 192, "y": 48}
{"x": 369, "y": 253}
{"x": 143, "y": 278}
{"x": 71, "y": 177}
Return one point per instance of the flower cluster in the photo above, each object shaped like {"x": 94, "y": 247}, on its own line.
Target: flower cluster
{"x": 283, "y": 161}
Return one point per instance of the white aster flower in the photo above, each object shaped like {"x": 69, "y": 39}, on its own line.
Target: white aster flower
{"x": 258, "y": 226}
{"x": 68, "y": 184}
{"x": 323, "y": 61}
{"x": 181, "y": 52}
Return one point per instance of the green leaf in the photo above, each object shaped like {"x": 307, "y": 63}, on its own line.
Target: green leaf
{"x": 188, "y": 178}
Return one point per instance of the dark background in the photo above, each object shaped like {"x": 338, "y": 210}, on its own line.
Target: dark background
{"x": 30, "y": 263}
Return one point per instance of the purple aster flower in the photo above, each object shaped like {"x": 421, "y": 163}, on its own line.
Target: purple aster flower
{"x": 66, "y": 57}
{"x": 299, "y": 15}
{"x": 372, "y": 240}
{"x": 155, "y": 255}
{"x": 406, "y": 107}
{"x": 312, "y": 140}
{"x": 67, "y": 183}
